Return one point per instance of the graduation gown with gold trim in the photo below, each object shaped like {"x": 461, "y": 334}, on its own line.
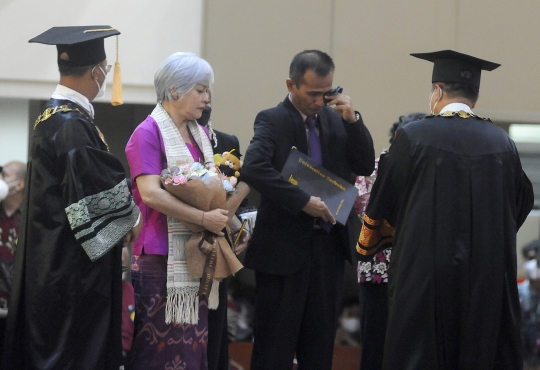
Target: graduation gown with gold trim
{"x": 65, "y": 311}
{"x": 456, "y": 193}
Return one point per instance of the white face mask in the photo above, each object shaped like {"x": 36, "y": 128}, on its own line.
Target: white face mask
{"x": 103, "y": 87}
{"x": 431, "y": 97}
{"x": 350, "y": 324}
{"x": 432, "y": 110}
{"x": 4, "y": 190}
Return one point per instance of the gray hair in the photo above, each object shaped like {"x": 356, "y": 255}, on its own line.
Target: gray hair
{"x": 181, "y": 72}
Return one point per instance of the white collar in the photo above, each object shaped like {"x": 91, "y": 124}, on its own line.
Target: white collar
{"x": 456, "y": 107}
{"x": 65, "y": 93}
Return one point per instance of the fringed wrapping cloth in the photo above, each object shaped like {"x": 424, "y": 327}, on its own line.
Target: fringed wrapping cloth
{"x": 208, "y": 256}
{"x": 375, "y": 236}
{"x": 226, "y": 264}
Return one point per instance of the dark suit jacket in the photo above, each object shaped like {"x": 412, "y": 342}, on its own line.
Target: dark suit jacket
{"x": 281, "y": 238}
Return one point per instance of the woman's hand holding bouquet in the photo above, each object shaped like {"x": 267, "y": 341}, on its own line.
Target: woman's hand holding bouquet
{"x": 201, "y": 186}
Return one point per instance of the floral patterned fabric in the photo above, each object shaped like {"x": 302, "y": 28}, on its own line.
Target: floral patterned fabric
{"x": 364, "y": 184}
{"x": 376, "y": 270}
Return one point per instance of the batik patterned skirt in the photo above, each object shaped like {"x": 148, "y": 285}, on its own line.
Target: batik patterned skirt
{"x": 158, "y": 345}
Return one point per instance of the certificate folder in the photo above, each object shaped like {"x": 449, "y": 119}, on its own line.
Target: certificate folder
{"x": 314, "y": 179}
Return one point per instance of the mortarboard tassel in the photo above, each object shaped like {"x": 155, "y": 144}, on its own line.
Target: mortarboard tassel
{"x": 117, "y": 81}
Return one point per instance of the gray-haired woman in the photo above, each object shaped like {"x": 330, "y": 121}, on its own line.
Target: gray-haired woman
{"x": 170, "y": 318}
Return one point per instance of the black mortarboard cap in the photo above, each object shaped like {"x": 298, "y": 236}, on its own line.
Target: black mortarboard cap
{"x": 77, "y": 46}
{"x": 451, "y": 66}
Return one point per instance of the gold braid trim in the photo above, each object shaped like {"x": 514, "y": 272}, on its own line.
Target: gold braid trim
{"x": 49, "y": 112}
{"x": 460, "y": 114}
{"x": 102, "y": 137}
{"x": 100, "y": 30}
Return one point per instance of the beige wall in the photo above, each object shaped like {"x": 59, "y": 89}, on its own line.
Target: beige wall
{"x": 13, "y": 130}
{"x": 151, "y": 31}
{"x": 250, "y": 44}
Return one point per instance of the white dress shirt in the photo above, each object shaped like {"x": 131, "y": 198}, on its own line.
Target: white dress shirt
{"x": 456, "y": 107}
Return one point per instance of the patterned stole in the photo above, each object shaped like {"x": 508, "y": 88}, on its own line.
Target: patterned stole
{"x": 182, "y": 299}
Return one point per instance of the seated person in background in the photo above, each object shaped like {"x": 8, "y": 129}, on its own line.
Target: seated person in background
{"x": 12, "y": 180}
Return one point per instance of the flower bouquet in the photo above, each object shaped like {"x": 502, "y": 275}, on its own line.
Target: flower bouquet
{"x": 202, "y": 186}
{"x": 196, "y": 185}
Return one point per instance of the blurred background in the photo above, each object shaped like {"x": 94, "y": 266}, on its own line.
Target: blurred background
{"x": 250, "y": 44}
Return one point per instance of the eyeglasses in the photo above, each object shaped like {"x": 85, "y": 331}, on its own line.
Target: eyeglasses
{"x": 107, "y": 68}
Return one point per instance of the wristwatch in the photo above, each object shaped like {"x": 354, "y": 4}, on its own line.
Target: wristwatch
{"x": 357, "y": 114}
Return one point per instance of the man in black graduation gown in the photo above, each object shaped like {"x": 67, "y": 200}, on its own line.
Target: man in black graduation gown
{"x": 65, "y": 311}
{"x": 298, "y": 261}
{"x": 453, "y": 187}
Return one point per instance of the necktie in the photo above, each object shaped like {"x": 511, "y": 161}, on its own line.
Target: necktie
{"x": 313, "y": 141}
{"x": 315, "y": 153}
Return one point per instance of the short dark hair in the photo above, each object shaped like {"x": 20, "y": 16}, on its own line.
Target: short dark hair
{"x": 456, "y": 89}
{"x": 73, "y": 71}
{"x": 310, "y": 60}
{"x": 403, "y": 120}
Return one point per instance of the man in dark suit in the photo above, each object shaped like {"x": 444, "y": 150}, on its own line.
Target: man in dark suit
{"x": 298, "y": 264}
{"x": 218, "y": 343}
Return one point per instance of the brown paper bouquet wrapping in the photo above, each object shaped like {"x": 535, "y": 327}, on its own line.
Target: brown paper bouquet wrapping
{"x": 206, "y": 196}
